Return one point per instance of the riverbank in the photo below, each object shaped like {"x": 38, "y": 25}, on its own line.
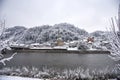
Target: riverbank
{"x": 64, "y": 51}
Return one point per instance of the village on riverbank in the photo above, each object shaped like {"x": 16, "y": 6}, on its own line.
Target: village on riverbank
{"x": 86, "y": 44}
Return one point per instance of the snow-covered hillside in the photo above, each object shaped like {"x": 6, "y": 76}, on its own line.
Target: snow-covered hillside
{"x": 44, "y": 33}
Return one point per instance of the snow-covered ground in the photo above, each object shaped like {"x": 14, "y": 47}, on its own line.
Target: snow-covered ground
{"x": 18, "y": 78}
{"x": 24, "y": 78}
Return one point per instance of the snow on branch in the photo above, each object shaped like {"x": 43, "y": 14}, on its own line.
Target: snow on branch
{"x": 114, "y": 38}
{"x": 7, "y": 59}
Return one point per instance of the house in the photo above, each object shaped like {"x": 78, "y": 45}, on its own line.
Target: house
{"x": 60, "y": 42}
{"x": 90, "y": 39}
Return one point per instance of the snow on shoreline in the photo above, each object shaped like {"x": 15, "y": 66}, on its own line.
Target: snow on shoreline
{"x": 2, "y": 77}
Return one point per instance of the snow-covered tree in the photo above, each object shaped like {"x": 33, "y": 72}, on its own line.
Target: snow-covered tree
{"x": 114, "y": 37}
{"x": 3, "y": 44}
{"x": 2, "y": 28}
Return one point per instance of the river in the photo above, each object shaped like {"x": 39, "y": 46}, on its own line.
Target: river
{"x": 61, "y": 60}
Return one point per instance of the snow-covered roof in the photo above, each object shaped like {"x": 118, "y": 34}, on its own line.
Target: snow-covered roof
{"x": 72, "y": 49}
{"x": 59, "y": 47}
{"x": 73, "y": 41}
{"x": 35, "y": 44}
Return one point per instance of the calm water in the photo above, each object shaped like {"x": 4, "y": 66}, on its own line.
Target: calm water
{"x": 61, "y": 60}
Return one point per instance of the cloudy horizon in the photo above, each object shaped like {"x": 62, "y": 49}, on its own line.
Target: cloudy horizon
{"x": 90, "y": 15}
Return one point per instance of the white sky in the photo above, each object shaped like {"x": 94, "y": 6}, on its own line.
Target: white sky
{"x": 90, "y": 15}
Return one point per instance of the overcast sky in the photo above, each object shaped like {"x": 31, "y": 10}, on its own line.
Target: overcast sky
{"x": 90, "y": 15}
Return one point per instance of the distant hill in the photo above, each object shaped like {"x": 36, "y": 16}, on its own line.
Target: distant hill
{"x": 13, "y": 33}
{"x": 99, "y": 34}
{"x": 45, "y": 33}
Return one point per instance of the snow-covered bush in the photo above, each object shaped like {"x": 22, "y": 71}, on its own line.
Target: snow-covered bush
{"x": 78, "y": 73}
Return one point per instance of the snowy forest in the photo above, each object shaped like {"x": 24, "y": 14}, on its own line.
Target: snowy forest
{"x": 47, "y": 33}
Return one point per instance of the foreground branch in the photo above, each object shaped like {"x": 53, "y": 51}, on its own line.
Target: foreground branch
{"x": 7, "y": 59}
